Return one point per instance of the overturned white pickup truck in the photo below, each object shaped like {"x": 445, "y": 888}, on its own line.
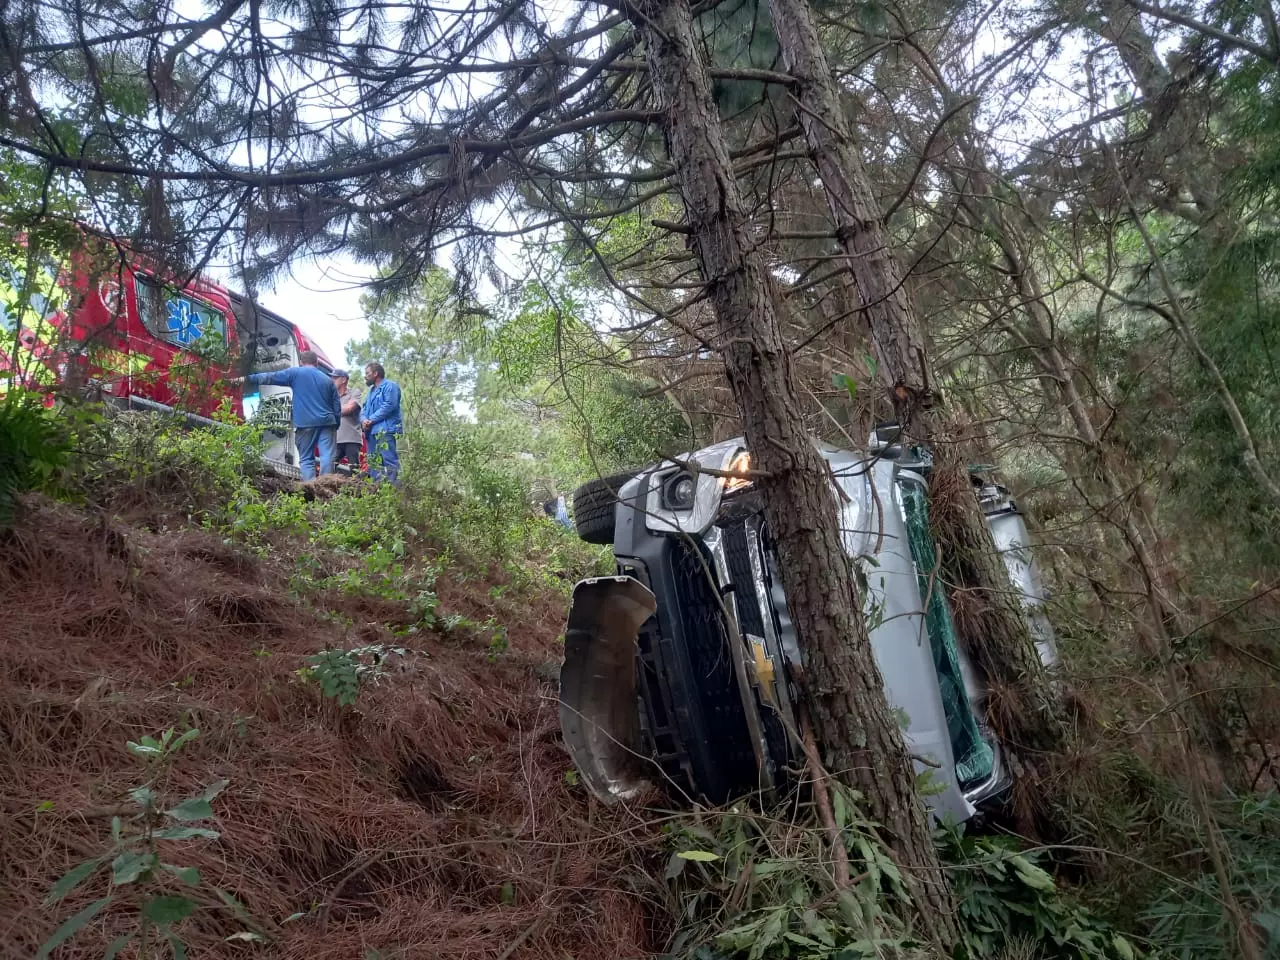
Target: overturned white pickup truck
{"x": 677, "y": 670}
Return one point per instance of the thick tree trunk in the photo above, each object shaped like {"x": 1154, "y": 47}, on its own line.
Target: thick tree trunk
{"x": 860, "y": 738}
{"x": 989, "y": 616}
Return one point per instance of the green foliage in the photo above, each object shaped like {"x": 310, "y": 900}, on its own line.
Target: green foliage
{"x": 1237, "y": 320}
{"x": 423, "y": 608}
{"x": 340, "y": 673}
{"x": 1006, "y": 899}
{"x": 33, "y": 207}
{"x": 141, "y": 457}
{"x": 426, "y": 345}
{"x": 367, "y": 539}
{"x": 497, "y": 401}
{"x": 34, "y": 447}
{"x": 137, "y": 869}
{"x": 463, "y": 464}
{"x": 1187, "y": 918}
{"x": 757, "y": 888}
{"x": 356, "y": 523}
{"x": 378, "y": 571}
{"x": 38, "y": 235}
{"x": 575, "y": 386}
{"x": 249, "y": 515}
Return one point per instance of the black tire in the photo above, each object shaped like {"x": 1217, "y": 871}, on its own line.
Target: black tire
{"x": 593, "y": 507}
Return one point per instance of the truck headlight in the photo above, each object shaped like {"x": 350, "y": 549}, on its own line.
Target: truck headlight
{"x": 741, "y": 464}
{"x": 680, "y": 492}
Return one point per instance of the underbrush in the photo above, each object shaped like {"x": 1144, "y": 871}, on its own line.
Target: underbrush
{"x": 1156, "y": 826}
{"x": 34, "y": 446}
{"x": 458, "y": 511}
{"x": 751, "y": 886}
{"x": 1187, "y": 915}
{"x": 140, "y": 464}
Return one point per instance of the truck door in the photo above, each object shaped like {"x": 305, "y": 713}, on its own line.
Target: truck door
{"x": 185, "y": 336}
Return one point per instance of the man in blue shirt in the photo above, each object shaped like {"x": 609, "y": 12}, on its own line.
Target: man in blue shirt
{"x": 316, "y": 411}
{"x": 382, "y": 424}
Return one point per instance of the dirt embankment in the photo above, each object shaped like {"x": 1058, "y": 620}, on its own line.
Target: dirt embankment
{"x": 432, "y": 819}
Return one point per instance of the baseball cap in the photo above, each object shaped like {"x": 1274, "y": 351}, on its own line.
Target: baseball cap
{"x": 340, "y": 373}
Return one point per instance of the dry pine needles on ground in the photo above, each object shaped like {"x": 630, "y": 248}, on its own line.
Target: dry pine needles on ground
{"x": 431, "y": 819}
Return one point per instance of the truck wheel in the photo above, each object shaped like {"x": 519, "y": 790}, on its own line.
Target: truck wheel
{"x": 593, "y": 507}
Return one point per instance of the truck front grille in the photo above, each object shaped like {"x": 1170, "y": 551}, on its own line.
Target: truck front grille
{"x": 741, "y": 539}
{"x": 714, "y": 686}
{"x": 737, "y": 544}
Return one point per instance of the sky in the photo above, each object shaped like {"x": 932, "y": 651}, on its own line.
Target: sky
{"x": 321, "y": 297}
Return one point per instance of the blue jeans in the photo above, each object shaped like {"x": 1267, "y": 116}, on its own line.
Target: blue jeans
{"x": 383, "y": 457}
{"x": 307, "y": 439}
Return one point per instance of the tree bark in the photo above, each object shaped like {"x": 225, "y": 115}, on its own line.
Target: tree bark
{"x": 894, "y": 333}
{"x": 989, "y": 616}
{"x": 860, "y": 738}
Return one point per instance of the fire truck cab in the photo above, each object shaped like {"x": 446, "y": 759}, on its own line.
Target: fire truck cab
{"x": 140, "y": 337}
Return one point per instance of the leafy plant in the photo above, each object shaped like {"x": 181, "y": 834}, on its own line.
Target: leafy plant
{"x": 203, "y": 473}
{"x": 137, "y": 865}
{"x": 341, "y": 672}
{"x": 1188, "y": 919}
{"x": 757, "y": 888}
{"x": 498, "y": 642}
{"x": 1006, "y": 899}
{"x": 424, "y": 607}
{"x": 33, "y": 447}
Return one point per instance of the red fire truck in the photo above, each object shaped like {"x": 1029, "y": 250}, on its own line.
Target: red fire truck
{"x": 144, "y": 338}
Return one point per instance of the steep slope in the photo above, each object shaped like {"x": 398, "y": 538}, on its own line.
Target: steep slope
{"x": 434, "y": 817}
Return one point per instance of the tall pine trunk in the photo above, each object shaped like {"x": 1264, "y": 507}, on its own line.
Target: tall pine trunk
{"x": 860, "y": 738}
{"x": 988, "y": 614}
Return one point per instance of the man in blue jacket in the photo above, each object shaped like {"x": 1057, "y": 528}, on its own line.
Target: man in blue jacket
{"x": 316, "y": 411}
{"x": 382, "y": 424}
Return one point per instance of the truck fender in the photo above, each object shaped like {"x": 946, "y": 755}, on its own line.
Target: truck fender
{"x": 599, "y": 716}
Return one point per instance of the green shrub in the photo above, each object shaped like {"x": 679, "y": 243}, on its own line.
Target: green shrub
{"x": 1188, "y": 918}
{"x": 1007, "y": 900}
{"x": 34, "y": 447}
{"x": 136, "y": 457}
{"x": 751, "y": 887}
{"x": 759, "y": 888}
{"x": 340, "y": 673}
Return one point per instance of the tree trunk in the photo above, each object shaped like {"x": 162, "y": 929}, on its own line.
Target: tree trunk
{"x": 1120, "y": 505}
{"x": 860, "y": 738}
{"x": 894, "y": 334}
{"x": 989, "y": 616}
